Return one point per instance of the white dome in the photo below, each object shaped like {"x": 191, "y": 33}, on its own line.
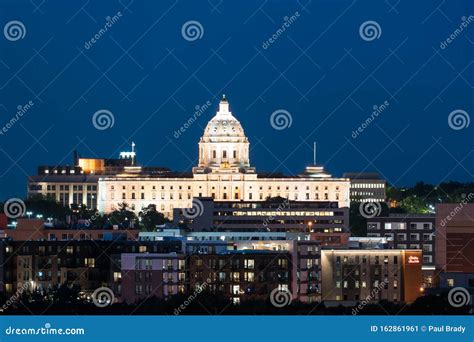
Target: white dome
{"x": 223, "y": 126}
{"x": 224, "y": 144}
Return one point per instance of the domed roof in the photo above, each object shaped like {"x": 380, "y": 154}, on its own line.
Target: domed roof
{"x": 223, "y": 124}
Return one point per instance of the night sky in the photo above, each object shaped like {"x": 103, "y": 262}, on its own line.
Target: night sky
{"x": 322, "y": 70}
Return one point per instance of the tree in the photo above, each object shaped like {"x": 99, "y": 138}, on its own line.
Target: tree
{"x": 414, "y": 205}
{"x": 123, "y": 217}
{"x": 150, "y": 218}
{"x": 47, "y": 206}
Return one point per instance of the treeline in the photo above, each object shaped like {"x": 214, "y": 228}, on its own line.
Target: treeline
{"x": 68, "y": 301}
{"x": 80, "y": 217}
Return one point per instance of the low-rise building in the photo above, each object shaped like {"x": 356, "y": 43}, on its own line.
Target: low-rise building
{"x": 278, "y": 215}
{"x": 36, "y": 230}
{"x": 371, "y": 275}
{"x": 409, "y": 231}
{"x": 152, "y": 275}
{"x": 42, "y": 265}
{"x": 455, "y": 243}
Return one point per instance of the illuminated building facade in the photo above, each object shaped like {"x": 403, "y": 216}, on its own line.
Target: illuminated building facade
{"x": 274, "y": 216}
{"x": 223, "y": 173}
{"x": 371, "y": 275}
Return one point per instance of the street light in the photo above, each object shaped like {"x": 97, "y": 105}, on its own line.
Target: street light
{"x": 310, "y": 224}
{"x": 29, "y": 213}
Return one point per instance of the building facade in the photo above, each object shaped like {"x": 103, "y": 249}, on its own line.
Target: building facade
{"x": 366, "y": 187}
{"x": 223, "y": 173}
{"x": 276, "y": 216}
{"x": 152, "y": 275}
{"x": 42, "y": 265}
{"x": 371, "y": 275}
{"x": 78, "y": 184}
{"x": 409, "y": 231}
{"x": 455, "y": 237}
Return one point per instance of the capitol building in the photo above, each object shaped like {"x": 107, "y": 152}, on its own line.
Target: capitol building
{"x": 223, "y": 172}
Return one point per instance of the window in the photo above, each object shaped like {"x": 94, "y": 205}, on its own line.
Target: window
{"x": 249, "y": 264}
{"x": 427, "y": 237}
{"x": 427, "y": 248}
{"x": 89, "y": 262}
{"x": 401, "y": 236}
{"x": 138, "y": 289}
{"x": 450, "y": 282}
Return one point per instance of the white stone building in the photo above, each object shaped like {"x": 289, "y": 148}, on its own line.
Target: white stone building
{"x": 223, "y": 172}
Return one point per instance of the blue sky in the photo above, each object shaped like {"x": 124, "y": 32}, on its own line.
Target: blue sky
{"x": 322, "y": 69}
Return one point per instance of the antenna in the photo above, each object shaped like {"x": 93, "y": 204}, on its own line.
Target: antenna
{"x": 314, "y": 153}
{"x": 133, "y": 153}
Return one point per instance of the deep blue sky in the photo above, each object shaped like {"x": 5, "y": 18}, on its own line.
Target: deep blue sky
{"x": 153, "y": 88}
